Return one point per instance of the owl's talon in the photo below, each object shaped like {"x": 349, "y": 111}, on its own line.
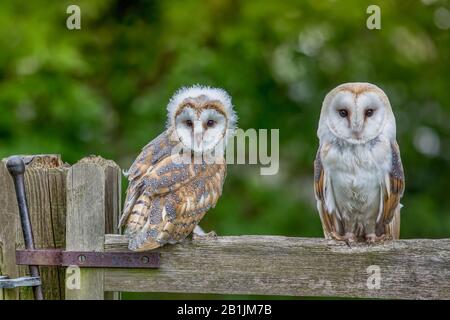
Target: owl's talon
{"x": 212, "y": 235}
{"x": 348, "y": 237}
{"x": 372, "y": 238}
{"x": 335, "y": 236}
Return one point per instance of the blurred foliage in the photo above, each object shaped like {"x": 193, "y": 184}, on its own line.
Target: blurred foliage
{"x": 103, "y": 89}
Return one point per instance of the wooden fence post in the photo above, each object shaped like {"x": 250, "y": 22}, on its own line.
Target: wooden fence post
{"x": 45, "y": 184}
{"x": 93, "y": 206}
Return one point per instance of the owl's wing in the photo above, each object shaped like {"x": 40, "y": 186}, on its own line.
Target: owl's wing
{"x": 324, "y": 195}
{"x": 172, "y": 215}
{"x": 152, "y": 153}
{"x": 163, "y": 177}
{"x": 392, "y": 191}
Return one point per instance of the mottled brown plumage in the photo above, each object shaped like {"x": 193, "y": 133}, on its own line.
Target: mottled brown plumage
{"x": 167, "y": 195}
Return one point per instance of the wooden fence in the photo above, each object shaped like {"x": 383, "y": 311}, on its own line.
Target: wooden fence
{"x": 76, "y": 208}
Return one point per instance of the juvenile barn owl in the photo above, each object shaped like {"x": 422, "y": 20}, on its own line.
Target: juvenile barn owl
{"x": 358, "y": 176}
{"x": 168, "y": 194}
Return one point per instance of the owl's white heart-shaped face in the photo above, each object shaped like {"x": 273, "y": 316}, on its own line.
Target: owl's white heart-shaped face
{"x": 200, "y": 128}
{"x": 202, "y": 118}
{"x": 356, "y": 113}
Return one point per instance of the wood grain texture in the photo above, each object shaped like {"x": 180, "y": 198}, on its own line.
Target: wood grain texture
{"x": 113, "y": 208}
{"x": 273, "y": 265}
{"x": 9, "y": 225}
{"x": 90, "y": 211}
{"x": 45, "y": 180}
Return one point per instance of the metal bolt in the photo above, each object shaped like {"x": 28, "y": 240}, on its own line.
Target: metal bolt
{"x": 81, "y": 258}
{"x": 145, "y": 259}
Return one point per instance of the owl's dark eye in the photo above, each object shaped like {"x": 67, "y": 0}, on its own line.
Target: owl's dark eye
{"x": 210, "y": 123}
{"x": 343, "y": 113}
{"x": 369, "y": 112}
{"x": 189, "y": 123}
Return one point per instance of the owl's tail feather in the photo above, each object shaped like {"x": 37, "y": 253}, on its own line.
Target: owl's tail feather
{"x": 144, "y": 227}
{"x": 152, "y": 237}
{"x": 142, "y": 242}
{"x": 138, "y": 216}
{"x": 129, "y": 203}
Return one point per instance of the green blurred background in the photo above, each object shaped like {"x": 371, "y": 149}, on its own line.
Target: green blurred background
{"x": 103, "y": 90}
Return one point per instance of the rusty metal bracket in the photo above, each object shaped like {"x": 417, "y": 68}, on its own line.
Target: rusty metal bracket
{"x": 56, "y": 257}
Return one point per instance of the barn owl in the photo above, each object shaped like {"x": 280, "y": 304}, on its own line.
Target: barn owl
{"x": 167, "y": 196}
{"x": 358, "y": 173}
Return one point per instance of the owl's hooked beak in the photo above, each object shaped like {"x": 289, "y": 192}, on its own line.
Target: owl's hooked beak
{"x": 198, "y": 135}
{"x": 356, "y": 133}
{"x": 356, "y": 127}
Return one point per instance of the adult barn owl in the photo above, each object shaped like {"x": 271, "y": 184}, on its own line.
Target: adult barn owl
{"x": 167, "y": 196}
{"x": 358, "y": 176}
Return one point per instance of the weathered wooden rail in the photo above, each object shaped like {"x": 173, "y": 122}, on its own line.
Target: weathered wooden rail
{"x": 272, "y": 265}
{"x": 76, "y": 208}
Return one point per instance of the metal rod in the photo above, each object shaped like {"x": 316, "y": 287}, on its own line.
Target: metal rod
{"x": 16, "y": 168}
